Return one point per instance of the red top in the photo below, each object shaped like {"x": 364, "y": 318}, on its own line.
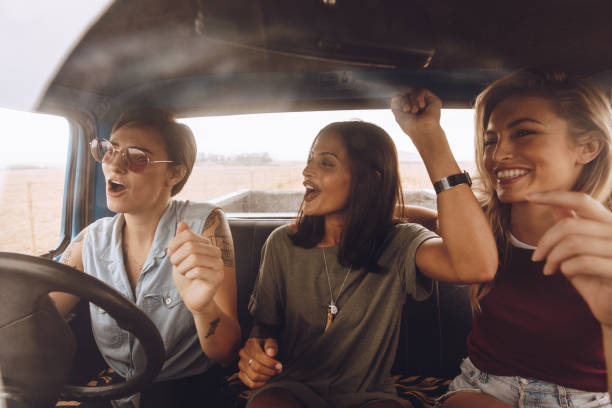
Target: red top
{"x": 537, "y": 326}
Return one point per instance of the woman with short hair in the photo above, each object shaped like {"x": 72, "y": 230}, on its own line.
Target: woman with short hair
{"x": 173, "y": 259}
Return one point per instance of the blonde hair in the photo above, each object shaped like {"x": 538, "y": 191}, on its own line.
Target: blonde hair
{"x": 586, "y": 110}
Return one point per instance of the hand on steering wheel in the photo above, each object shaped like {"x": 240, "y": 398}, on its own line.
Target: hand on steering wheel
{"x": 36, "y": 341}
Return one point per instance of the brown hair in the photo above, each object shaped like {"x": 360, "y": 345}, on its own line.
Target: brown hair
{"x": 177, "y": 138}
{"x": 581, "y": 104}
{"x": 374, "y": 192}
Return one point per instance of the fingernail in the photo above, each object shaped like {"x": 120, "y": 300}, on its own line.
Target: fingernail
{"x": 535, "y": 257}
{"x": 279, "y": 367}
{"x": 270, "y": 352}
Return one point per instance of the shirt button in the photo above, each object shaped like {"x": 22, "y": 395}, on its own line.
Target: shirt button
{"x": 168, "y": 300}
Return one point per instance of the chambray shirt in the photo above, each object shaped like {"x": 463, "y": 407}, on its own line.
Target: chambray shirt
{"x": 155, "y": 294}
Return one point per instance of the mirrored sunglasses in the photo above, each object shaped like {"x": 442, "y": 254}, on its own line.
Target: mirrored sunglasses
{"x": 136, "y": 160}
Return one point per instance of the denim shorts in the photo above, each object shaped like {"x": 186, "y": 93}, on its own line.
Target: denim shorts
{"x": 525, "y": 392}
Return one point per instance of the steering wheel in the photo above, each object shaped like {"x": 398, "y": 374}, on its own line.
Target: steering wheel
{"x": 37, "y": 344}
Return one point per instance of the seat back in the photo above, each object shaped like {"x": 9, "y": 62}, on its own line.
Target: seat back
{"x": 433, "y": 333}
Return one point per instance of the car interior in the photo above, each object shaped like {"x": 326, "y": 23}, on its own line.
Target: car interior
{"x": 216, "y": 58}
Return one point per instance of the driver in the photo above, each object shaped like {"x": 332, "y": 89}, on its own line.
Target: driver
{"x": 173, "y": 259}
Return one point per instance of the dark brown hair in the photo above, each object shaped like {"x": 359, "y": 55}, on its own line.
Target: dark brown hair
{"x": 374, "y": 192}
{"x": 177, "y": 138}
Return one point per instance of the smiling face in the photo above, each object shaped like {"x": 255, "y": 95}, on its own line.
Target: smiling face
{"x": 137, "y": 193}
{"x": 528, "y": 149}
{"x": 327, "y": 176}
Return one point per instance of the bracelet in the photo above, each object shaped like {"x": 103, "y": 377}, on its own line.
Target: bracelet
{"x": 451, "y": 181}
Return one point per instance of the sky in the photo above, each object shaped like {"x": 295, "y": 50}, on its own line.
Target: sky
{"x": 41, "y": 140}
{"x": 288, "y": 136}
{"x": 32, "y": 139}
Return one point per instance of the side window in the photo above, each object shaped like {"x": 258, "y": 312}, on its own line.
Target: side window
{"x": 254, "y": 163}
{"x": 32, "y": 172}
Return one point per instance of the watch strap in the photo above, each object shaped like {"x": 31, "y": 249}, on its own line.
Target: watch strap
{"x": 451, "y": 181}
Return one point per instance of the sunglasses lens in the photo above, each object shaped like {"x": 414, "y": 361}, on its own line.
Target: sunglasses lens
{"x": 100, "y": 149}
{"x": 137, "y": 160}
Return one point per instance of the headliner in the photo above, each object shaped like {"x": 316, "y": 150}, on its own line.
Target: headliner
{"x": 231, "y": 56}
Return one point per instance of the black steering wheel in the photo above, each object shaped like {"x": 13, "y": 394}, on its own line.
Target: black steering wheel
{"x": 37, "y": 346}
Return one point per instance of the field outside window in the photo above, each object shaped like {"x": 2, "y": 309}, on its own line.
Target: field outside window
{"x": 32, "y": 172}
{"x": 267, "y": 152}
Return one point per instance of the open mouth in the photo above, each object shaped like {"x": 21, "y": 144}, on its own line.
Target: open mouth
{"x": 311, "y": 192}
{"x": 115, "y": 186}
{"x": 509, "y": 175}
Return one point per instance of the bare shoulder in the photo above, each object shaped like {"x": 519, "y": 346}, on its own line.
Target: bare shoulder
{"x": 72, "y": 256}
{"x": 215, "y": 223}
{"x": 216, "y": 228}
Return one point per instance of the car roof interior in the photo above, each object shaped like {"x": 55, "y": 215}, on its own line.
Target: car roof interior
{"x": 211, "y": 57}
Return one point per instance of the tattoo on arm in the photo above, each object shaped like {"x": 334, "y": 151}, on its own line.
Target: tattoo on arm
{"x": 217, "y": 229}
{"x": 68, "y": 255}
{"x": 213, "y": 327}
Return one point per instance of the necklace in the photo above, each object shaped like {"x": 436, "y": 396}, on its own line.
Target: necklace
{"x": 332, "y": 308}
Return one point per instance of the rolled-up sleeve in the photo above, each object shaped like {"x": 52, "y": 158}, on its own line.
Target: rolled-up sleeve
{"x": 410, "y": 239}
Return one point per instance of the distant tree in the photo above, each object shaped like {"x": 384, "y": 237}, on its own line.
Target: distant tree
{"x": 248, "y": 159}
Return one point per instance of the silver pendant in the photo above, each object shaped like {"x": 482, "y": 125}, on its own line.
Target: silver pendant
{"x": 333, "y": 309}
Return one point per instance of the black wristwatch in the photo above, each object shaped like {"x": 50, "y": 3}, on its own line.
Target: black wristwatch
{"x": 452, "y": 181}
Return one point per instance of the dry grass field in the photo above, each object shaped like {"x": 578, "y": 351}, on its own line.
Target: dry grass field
{"x": 31, "y": 199}
{"x": 30, "y": 209}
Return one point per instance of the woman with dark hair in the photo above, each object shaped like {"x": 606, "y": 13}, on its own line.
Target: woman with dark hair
{"x": 330, "y": 290}
{"x": 173, "y": 259}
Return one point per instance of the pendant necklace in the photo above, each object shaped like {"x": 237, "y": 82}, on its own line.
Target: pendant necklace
{"x": 332, "y": 308}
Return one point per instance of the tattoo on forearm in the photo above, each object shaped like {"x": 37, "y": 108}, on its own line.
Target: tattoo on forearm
{"x": 213, "y": 327}
{"x": 220, "y": 236}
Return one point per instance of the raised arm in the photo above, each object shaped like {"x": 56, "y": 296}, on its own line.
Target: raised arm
{"x": 205, "y": 275}
{"x": 419, "y": 215}
{"x": 467, "y": 251}
{"x": 72, "y": 256}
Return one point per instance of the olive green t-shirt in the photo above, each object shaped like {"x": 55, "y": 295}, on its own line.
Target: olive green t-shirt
{"x": 350, "y": 363}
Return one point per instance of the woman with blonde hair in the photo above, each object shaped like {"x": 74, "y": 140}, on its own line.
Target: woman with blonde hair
{"x": 539, "y": 329}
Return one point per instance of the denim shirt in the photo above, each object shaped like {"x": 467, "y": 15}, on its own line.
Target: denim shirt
{"x": 155, "y": 294}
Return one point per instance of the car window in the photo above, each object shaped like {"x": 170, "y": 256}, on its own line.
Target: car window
{"x": 254, "y": 163}
{"x": 32, "y": 172}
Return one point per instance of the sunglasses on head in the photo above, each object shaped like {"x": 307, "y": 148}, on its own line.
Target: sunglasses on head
{"x": 136, "y": 159}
